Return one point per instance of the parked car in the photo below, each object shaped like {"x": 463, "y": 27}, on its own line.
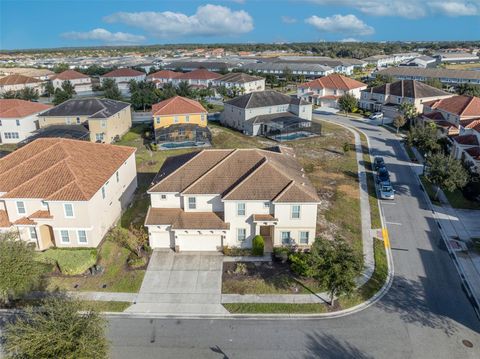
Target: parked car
{"x": 376, "y": 116}
{"x": 378, "y": 162}
{"x": 387, "y": 191}
{"x": 382, "y": 175}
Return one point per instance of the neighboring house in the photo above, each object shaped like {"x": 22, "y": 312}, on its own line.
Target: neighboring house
{"x": 458, "y": 118}
{"x": 261, "y": 112}
{"x": 180, "y": 119}
{"x": 197, "y": 78}
{"x": 456, "y": 58}
{"x": 82, "y": 83}
{"x": 212, "y": 199}
{"x": 18, "y": 119}
{"x": 307, "y": 70}
{"x": 162, "y": 77}
{"x": 421, "y": 61}
{"x": 241, "y": 83}
{"x": 19, "y": 82}
{"x": 193, "y": 65}
{"x": 325, "y": 91}
{"x": 107, "y": 120}
{"x": 65, "y": 193}
{"x": 123, "y": 77}
{"x": 39, "y": 74}
{"x": 385, "y": 60}
{"x": 386, "y": 98}
{"x": 445, "y": 76}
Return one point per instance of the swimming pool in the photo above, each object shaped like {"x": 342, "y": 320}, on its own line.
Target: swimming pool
{"x": 171, "y": 145}
{"x": 292, "y": 136}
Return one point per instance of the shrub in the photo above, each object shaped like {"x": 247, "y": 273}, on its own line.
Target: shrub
{"x": 300, "y": 264}
{"x": 236, "y": 252}
{"x": 258, "y": 245}
{"x": 70, "y": 261}
{"x": 309, "y": 167}
{"x": 135, "y": 262}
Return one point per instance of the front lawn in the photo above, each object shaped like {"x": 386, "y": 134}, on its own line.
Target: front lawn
{"x": 117, "y": 277}
{"x": 430, "y": 190}
{"x": 264, "y": 278}
{"x": 102, "y": 306}
{"x": 69, "y": 261}
{"x": 275, "y": 308}
{"x": 457, "y": 200}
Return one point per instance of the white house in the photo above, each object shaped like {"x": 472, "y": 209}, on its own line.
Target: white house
{"x": 19, "y": 82}
{"x": 123, "y": 77}
{"x": 82, "y": 83}
{"x": 325, "y": 91}
{"x": 65, "y": 193}
{"x": 240, "y": 82}
{"x": 18, "y": 119}
{"x": 211, "y": 199}
{"x": 197, "y": 78}
{"x": 163, "y": 77}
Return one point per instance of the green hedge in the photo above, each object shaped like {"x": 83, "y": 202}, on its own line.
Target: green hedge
{"x": 70, "y": 261}
{"x": 258, "y": 245}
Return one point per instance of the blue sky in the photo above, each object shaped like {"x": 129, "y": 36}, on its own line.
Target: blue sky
{"x": 46, "y": 23}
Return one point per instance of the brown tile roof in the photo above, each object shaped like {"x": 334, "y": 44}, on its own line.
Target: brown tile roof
{"x": 242, "y": 174}
{"x": 199, "y": 74}
{"x": 471, "y": 140}
{"x": 70, "y": 75}
{"x": 13, "y": 108}
{"x": 164, "y": 74}
{"x": 25, "y": 221}
{"x": 334, "y": 81}
{"x": 474, "y": 152}
{"x": 4, "y": 221}
{"x": 60, "y": 169}
{"x": 179, "y": 219}
{"x": 458, "y": 105}
{"x": 473, "y": 125}
{"x": 177, "y": 105}
{"x": 124, "y": 73}
{"x": 17, "y": 80}
{"x": 264, "y": 218}
{"x": 41, "y": 214}
{"x": 434, "y": 116}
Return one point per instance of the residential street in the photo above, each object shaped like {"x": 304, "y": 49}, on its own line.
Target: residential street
{"x": 424, "y": 315}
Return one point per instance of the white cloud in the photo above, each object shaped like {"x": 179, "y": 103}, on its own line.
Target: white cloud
{"x": 349, "y": 39}
{"x": 343, "y": 24}
{"x": 209, "y": 20}
{"x": 288, "y": 20}
{"x": 105, "y": 36}
{"x": 412, "y": 9}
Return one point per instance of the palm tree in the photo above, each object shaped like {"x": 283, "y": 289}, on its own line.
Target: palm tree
{"x": 184, "y": 89}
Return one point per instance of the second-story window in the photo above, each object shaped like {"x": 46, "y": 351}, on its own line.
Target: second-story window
{"x": 68, "y": 208}
{"x": 192, "y": 203}
{"x": 187, "y": 118}
{"x": 240, "y": 209}
{"x": 17, "y": 122}
{"x": 78, "y": 120}
{"x": 295, "y": 211}
{"x": 104, "y": 123}
{"x": 266, "y": 204}
{"x": 21, "y": 208}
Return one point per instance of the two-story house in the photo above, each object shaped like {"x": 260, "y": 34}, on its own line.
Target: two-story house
{"x": 107, "y": 120}
{"x": 262, "y": 112}
{"x": 162, "y": 77}
{"x": 81, "y": 82}
{"x": 180, "y": 119}
{"x": 211, "y": 199}
{"x": 18, "y": 82}
{"x": 240, "y": 83}
{"x": 325, "y": 91}
{"x": 18, "y": 119}
{"x": 387, "y": 98}
{"x": 65, "y": 193}
{"x": 197, "y": 78}
{"x": 123, "y": 77}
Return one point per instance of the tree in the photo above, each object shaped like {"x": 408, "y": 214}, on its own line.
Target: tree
{"x": 469, "y": 90}
{"x": 110, "y": 89}
{"x": 58, "y": 330}
{"x": 288, "y": 74}
{"x": 142, "y": 94}
{"x": 28, "y": 94}
{"x": 19, "y": 272}
{"x": 446, "y": 172}
{"x": 49, "y": 88}
{"x": 134, "y": 239}
{"x": 60, "y": 67}
{"x": 68, "y": 88}
{"x": 184, "y": 89}
{"x": 271, "y": 80}
{"x": 10, "y": 94}
{"x": 434, "y": 82}
{"x": 335, "y": 265}
{"x": 424, "y": 137}
{"x": 381, "y": 80}
{"x": 399, "y": 121}
{"x": 258, "y": 245}
{"x": 408, "y": 110}
{"x": 347, "y": 103}
{"x": 60, "y": 96}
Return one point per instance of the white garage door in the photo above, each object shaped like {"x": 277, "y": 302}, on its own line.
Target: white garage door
{"x": 159, "y": 239}
{"x": 198, "y": 242}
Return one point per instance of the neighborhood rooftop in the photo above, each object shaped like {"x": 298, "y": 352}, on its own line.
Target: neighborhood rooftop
{"x": 334, "y": 81}
{"x": 431, "y": 73}
{"x": 125, "y": 72}
{"x": 59, "y": 169}
{"x": 13, "y": 108}
{"x": 69, "y": 75}
{"x": 17, "y": 79}
{"x": 264, "y": 99}
{"x": 92, "y": 107}
{"x": 177, "y": 105}
{"x": 238, "y": 77}
{"x": 408, "y": 88}
{"x": 459, "y": 105}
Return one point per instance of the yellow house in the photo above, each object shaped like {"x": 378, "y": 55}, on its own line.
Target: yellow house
{"x": 107, "y": 120}
{"x": 179, "y": 118}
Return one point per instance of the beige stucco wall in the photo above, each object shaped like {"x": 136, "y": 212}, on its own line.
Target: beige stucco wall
{"x": 45, "y": 121}
{"x": 28, "y": 125}
{"x": 116, "y": 125}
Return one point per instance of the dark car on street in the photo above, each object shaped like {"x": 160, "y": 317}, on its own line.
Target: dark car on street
{"x": 378, "y": 162}
{"x": 383, "y": 175}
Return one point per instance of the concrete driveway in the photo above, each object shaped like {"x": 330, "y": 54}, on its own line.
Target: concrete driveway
{"x": 181, "y": 284}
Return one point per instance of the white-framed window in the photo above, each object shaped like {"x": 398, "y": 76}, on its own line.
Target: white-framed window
{"x": 295, "y": 211}
{"x": 187, "y": 118}
{"x": 64, "y": 236}
{"x": 117, "y": 176}
{"x": 163, "y": 196}
{"x": 240, "y": 209}
{"x": 266, "y": 204}
{"x": 11, "y": 135}
{"x": 82, "y": 236}
{"x": 192, "y": 203}
{"x": 78, "y": 120}
{"x": 158, "y": 120}
{"x": 68, "y": 121}
{"x": 304, "y": 237}
{"x": 33, "y": 233}
{"x": 241, "y": 234}
{"x": 285, "y": 237}
{"x": 21, "y": 207}
{"x": 203, "y": 117}
{"x": 103, "y": 192}
{"x": 44, "y": 204}
{"x": 17, "y": 122}
{"x": 176, "y": 119}
{"x": 99, "y": 136}
{"x": 103, "y": 123}
{"x": 68, "y": 210}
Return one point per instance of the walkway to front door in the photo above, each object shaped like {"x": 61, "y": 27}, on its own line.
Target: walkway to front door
{"x": 181, "y": 284}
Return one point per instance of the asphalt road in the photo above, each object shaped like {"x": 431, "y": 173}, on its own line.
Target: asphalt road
{"x": 424, "y": 315}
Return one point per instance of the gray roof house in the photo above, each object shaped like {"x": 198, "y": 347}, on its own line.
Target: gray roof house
{"x": 269, "y": 113}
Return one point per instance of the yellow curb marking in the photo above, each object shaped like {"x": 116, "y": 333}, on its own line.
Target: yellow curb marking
{"x": 385, "y": 237}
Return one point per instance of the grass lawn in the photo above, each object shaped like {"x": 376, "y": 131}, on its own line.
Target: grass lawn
{"x": 457, "y": 200}
{"x": 430, "y": 190}
{"x": 117, "y": 276}
{"x": 272, "y": 308}
{"x": 107, "y": 306}
{"x": 5, "y": 149}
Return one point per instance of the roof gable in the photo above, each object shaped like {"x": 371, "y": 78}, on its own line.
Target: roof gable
{"x": 70, "y": 75}
{"x": 17, "y": 79}
{"x": 124, "y": 72}
{"x": 334, "y": 81}
{"x": 177, "y": 105}
{"x": 14, "y": 108}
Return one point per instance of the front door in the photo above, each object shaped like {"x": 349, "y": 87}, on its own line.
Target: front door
{"x": 46, "y": 237}
{"x": 267, "y": 233}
